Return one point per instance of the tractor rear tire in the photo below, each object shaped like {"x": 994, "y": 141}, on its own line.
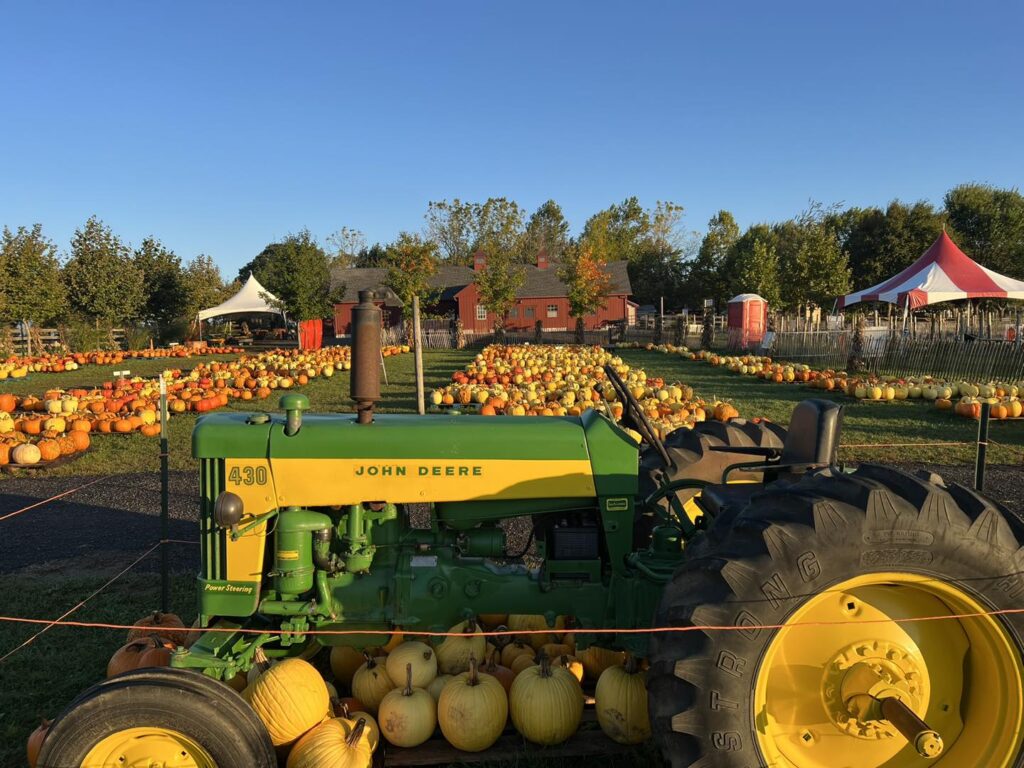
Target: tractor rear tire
{"x": 171, "y": 706}
{"x": 831, "y": 550}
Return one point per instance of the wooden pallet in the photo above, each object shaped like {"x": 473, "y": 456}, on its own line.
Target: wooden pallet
{"x": 509, "y": 748}
{"x": 13, "y": 469}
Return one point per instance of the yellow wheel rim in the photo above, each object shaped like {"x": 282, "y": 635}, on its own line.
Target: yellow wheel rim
{"x": 963, "y": 677}
{"x": 148, "y": 748}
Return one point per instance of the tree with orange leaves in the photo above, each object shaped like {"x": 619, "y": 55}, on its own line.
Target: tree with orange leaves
{"x": 585, "y": 274}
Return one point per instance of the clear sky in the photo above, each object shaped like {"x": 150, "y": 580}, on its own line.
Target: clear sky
{"x": 220, "y": 126}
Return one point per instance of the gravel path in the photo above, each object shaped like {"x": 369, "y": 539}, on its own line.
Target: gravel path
{"x": 113, "y": 521}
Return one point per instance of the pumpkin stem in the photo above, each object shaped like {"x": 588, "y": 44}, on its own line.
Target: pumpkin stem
{"x": 408, "y": 680}
{"x": 357, "y": 732}
{"x": 474, "y": 678}
{"x": 500, "y": 641}
{"x": 370, "y": 663}
{"x": 545, "y": 664}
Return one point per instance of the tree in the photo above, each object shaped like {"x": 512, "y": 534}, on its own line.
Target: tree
{"x": 754, "y": 264}
{"x": 345, "y": 246}
{"x": 298, "y": 272}
{"x": 164, "y": 292}
{"x": 202, "y": 286}
{"x": 30, "y": 281}
{"x": 989, "y": 225}
{"x": 102, "y": 281}
{"x": 453, "y": 226}
{"x": 501, "y": 237}
{"x": 411, "y": 262}
{"x": 374, "y": 256}
{"x": 708, "y": 277}
{"x": 585, "y": 275}
{"x": 623, "y": 230}
{"x": 813, "y": 268}
{"x": 547, "y": 230}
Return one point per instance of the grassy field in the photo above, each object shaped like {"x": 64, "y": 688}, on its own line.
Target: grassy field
{"x": 38, "y": 680}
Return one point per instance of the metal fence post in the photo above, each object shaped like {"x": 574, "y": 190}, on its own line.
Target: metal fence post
{"x": 165, "y": 587}
{"x": 979, "y": 465}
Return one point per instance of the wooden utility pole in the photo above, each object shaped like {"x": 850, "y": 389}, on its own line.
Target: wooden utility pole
{"x": 418, "y": 349}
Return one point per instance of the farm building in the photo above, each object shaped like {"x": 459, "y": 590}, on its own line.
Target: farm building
{"x": 543, "y": 297}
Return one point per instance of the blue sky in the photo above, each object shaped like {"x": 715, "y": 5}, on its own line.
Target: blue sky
{"x": 221, "y": 126}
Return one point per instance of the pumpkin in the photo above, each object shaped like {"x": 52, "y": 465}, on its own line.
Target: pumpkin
{"x": 437, "y": 685}
{"x": 122, "y": 426}
{"x": 238, "y": 682}
{"x": 128, "y": 656}
{"x": 554, "y": 650}
{"x": 502, "y": 674}
{"x": 570, "y": 662}
{"x": 621, "y": 703}
{"x": 290, "y": 698}
{"x": 336, "y": 743}
{"x": 532, "y": 627}
{"x": 157, "y": 656}
{"x": 8, "y": 402}
{"x": 260, "y": 664}
{"x": 596, "y": 660}
{"x": 35, "y": 742}
{"x": 345, "y": 712}
{"x": 522, "y": 662}
{"x": 397, "y": 638}
{"x": 422, "y": 658}
{"x": 345, "y": 660}
{"x": 472, "y": 710}
{"x": 167, "y": 625}
{"x": 725, "y": 411}
{"x": 25, "y": 454}
{"x": 491, "y": 621}
{"x": 150, "y": 430}
{"x": 546, "y": 703}
{"x": 81, "y": 425}
{"x": 48, "y": 450}
{"x": 408, "y": 715}
{"x": 454, "y": 653}
{"x": 5, "y": 454}
{"x": 371, "y": 683}
{"x": 514, "y": 649}
{"x": 67, "y": 446}
{"x": 80, "y": 439}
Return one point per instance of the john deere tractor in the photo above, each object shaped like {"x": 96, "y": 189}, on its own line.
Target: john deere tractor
{"x": 806, "y": 616}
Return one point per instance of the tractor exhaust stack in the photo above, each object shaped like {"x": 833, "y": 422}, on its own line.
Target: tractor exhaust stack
{"x": 365, "y": 381}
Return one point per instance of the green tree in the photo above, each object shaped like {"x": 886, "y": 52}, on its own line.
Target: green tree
{"x": 202, "y": 286}
{"x": 453, "y": 226}
{"x": 411, "y": 262}
{"x": 165, "y": 296}
{"x": 30, "y": 281}
{"x": 345, "y": 246}
{"x": 585, "y": 275}
{"x": 708, "y": 277}
{"x": 813, "y": 267}
{"x": 103, "y": 283}
{"x": 298, "y": 272}
{"x": 754, "y": 264}
{"x": 547, "y": 229}
{"x": 623, "y": 230}
{"x": 374, "y": 256}
{"x": 501, "y": 237}
{"x": 989, "y": 225}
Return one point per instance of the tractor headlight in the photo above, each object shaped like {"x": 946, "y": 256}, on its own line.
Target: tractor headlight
{"x": 227, "y": 510}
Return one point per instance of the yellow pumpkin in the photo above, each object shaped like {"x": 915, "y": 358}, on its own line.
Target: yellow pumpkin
{"x": 408, "y": 715}
{"x": 260, "y": 664}
{"x": 521, "y": 663}
{"x": 532, "y": 627}
{"x": 26, "y": 453}
{"x": 514, "y": 649}
{"x": 345, "y": 660}
{"x": 596, "y": 660}
{"x": 422, "y": 658}
{"x": 337, "y": 743}
{"x": 570, "y": 662}
{"x": 472, "y": 710}
{"x": 437, "y": 685}
{"x": 454, "y": 653}
{"x": 546, "y": 703}
{"x": 371, "y": 683}
{"x": 290, "y": 698}
{"x": 621, "y": 704}
{"x": 371, "y": 723}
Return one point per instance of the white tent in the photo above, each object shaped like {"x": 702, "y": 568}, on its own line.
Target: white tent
{"x": 252, "y": 298}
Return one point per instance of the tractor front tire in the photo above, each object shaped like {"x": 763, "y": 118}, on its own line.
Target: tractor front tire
{"x": 821, "y": 588}
{"x": 158, "y": 716}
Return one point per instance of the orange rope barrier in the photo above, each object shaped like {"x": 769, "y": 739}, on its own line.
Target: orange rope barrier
{"x": 512, "y": 633}
{"x": 52, "y": 498}
{"x": 59, "y": 621}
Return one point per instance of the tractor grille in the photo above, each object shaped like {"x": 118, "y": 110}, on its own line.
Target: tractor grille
{"x": 212, "y": 553}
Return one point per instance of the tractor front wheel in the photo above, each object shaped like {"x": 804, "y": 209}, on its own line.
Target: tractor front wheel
{"x": 825, "y": 604}
{"x": 166, "y": 717}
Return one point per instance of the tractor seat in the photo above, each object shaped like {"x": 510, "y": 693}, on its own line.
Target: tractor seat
{"x": 811, "y": 442}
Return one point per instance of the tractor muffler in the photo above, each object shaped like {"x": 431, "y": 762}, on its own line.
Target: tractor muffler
{"x": 365, "y": 381}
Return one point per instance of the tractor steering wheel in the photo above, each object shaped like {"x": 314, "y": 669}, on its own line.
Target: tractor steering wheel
{"x": 636, "y": 414}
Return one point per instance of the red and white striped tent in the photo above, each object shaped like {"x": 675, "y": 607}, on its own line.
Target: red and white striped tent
{"x": 943, "y": 273}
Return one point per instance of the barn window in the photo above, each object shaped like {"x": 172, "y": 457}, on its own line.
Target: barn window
{"x": 513, "y": 313}
{"x": 481, "y": 312}
{"x": 528, "y": 312}
{"x": 552, "y": 310}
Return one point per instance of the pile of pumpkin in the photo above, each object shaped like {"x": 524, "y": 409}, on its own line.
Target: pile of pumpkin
{"x": 542, "y": 380}
{"x": 17, "y": 367}
{"x": 404, "y": 691}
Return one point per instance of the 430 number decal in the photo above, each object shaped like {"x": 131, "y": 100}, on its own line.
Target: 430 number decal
{"x": 248, "y": 476}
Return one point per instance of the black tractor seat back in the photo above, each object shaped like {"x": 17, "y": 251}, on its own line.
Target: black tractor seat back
{"x": 811, "y": 443}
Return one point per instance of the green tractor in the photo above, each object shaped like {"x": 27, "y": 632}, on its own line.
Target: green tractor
{"x": 805, "y": 616}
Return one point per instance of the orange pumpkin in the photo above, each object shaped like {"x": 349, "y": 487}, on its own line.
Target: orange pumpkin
{"x": 80, "y": 440}
{"x": 8, "y": 402}
{"x": 35, "y": 742}
{"x": 122, "y": 426}
{"x": 81, "y": 425}
{"x": 48, "y": 450}
{"x": 150, "y": 430}
{"x": 32, "y": 426}
{"x": 67, "y": 446}
{"x": 167, "y": 625}
{"x": 5, "y": 454}
{"x": 725, "y": 411}
{"x": 127, "y": 657}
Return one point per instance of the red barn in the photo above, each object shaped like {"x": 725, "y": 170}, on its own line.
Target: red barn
{"x": 543, "y": 297}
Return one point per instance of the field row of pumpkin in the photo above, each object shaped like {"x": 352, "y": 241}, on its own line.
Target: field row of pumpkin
{"x": 19, "y": 366}
{"x": 132, "y": 405}
{"x": 466, "y": 687}
{"x": 541, "y": 380}
{"x": 963, "y": 398}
